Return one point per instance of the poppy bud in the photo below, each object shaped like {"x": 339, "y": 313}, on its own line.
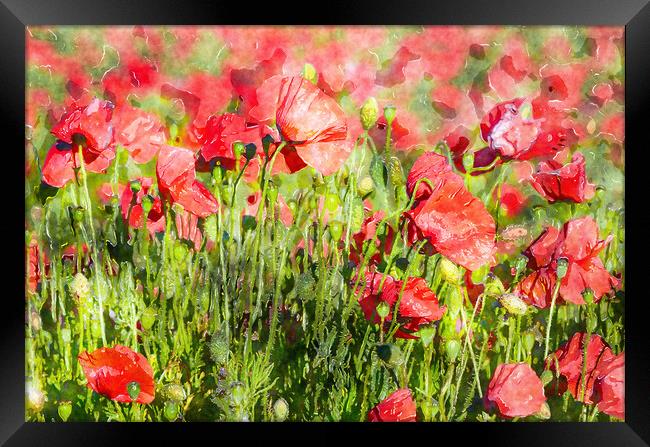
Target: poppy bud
{"x": 237, "y": 393}
{"x": 366, "y": 186}
{"x": 544, "y": 412}
{"x": 546, "y": 377}
{"x": 175, "y": 392}
{"x": 529, "y": 341}
{"x": 513, "y": 304}
{"x": 78, "y": 214}
{"x": 250, "y": 151}
{"x": 171, "y": 410}
{"x": 148, "y": 318}
{"x": 147, "y": 203}
{"x": 280, "y": 410}
{"x": 80, "y": 286}
{"x": 390, "y": 354}
{"x": 135, "y": 185}
{"x": 332, "y": 202}
{"x": 562, "y": 267}
{"x": 449, "y": 271}
{"x": 383, "y": 309}
{"x": 588, "y": 296}
{"x": 133, "y": 388}
{"x": 389, "y": 114}
{"x": 336, "y": 230}
{"x": 218, "y": 348}
{"x": 64, "y": 410}
{"x": 238, "y": 149}
{"x": 369, "y": 112}
{"x": 452, "y": 348}
{"x": 309, "y": 73}
{"x": 395, "y": 172}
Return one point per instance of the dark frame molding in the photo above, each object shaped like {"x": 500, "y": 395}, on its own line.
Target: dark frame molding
{"x": 634, "y": 14}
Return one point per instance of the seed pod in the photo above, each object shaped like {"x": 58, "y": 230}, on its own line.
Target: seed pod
{"x": 389, "y": 114}
{"x": 383, "y": 309}
{"x": 513, "y": 304}
{"x": 562, "y": 267}
{"x": 147, "y": 203}
{"x": 588, "y": 296}
{"x": 135, "y": 186}
{"x": 369, "y": 112}
{"x": 133, "y": 388}
{"x": 280, "y": 410}
{"x": 238, "y": 149}
{"x": 390, "y": 354}
{"x": 64, "y": 409}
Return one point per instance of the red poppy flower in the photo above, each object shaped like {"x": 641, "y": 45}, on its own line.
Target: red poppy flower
{"x": 609, "y": 387}
{"x": 516, "y": 390}
{"x": 368, "y": 231}
{"x": 34, "y": 272}
{"x": 313, "y": 124}
{"x": 569, "y": 182}
{"x": 455, "y": 222}
{"x": 93, "y": 122}
{"x": 110, "y": 370}
{"x": 570, "y": 360}
{"x": 513, "y": 201}
{"x": 578, "y": 242}
{"x": 177, "y": 180}
{"x": 521, "y": 129}
{"x": 222, "y": 131}
{"x": 141, "y": 133}
{"x": 62, "y": 158}
{"x": 418, "y": 306}
{"x": 187, "y": 228}
{"x": 398, "y": 407}
{"x": 132, "y": 209}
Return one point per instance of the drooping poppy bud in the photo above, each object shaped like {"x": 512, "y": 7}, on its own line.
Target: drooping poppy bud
{"x": 369, "y": 112}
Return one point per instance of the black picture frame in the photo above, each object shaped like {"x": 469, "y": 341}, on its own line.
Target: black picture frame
{"x": 633, "y": 14}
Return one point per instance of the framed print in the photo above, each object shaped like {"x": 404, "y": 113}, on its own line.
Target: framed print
{"x": 392, "y": 215}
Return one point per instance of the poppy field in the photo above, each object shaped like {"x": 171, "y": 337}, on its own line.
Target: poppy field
{"x": 387, "y": 224}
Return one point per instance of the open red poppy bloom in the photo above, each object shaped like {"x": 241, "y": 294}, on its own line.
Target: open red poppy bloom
{"x": 132, "y": 208}
{"x": 578, "y": 243}
{"x": 455, "y": 222}
{"x": 516, "y": 390}
{"x": 221, "y": 132}
{"x": 458, "y": 142}
{"x": 418, "y": 305}
{"x": 383, "y": 242}
{"x": 313, "y": 125}
{"x": 141, "y": 133}
{"x": 93, "y": 122}
{"x": 609, "y": 387}
{"x": 569, "y": 364}
{"x": 521, "y": 129}
{"x": 398, "y": 407}
{"x": 109, "y": 371}
{"x": 555, "y": 181}
{"x": 177, "y": 180}
{"x": 62, "y": 159}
